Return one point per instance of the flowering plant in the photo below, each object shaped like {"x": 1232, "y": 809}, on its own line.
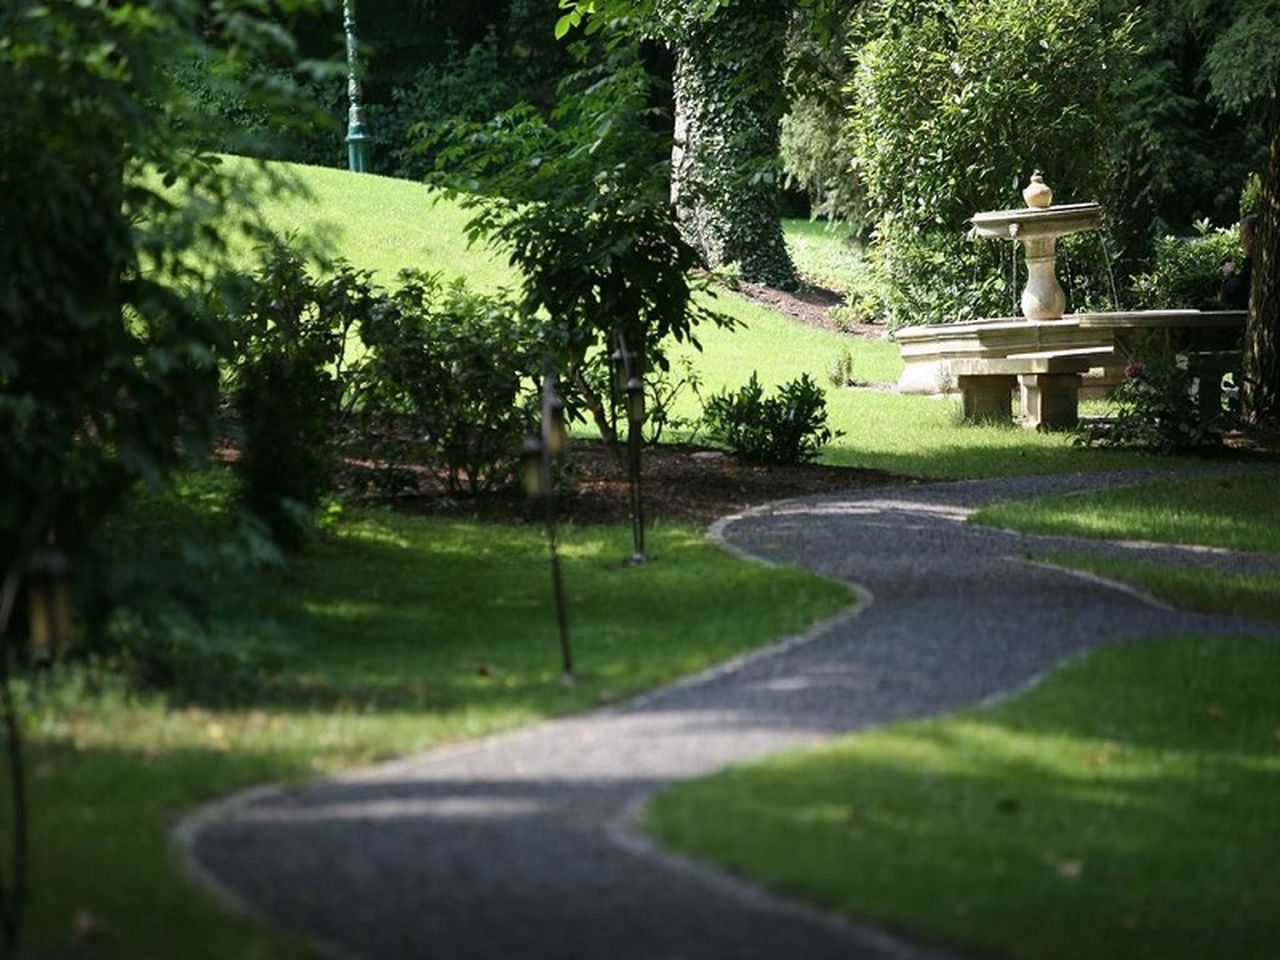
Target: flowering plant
{"x": 1164, "y": 405}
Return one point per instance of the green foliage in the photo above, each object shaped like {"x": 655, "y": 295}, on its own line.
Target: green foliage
{"x": 840, "y": 370}
{"x": 940, "y": 276}
{"x": 580, "y": 203}
{"x": 1160, "y": 406}
{"x": 291, "y": 331}
{"x": 817, "y": 157}
{"x": 953, "y": 105}
{"x": 1187, "y": 271}
{"x": 448, "y": 367}
{"x": 789, "y": 427}
{"x": 1244, "y": 61}
{"x": 230, "y": 116}
{"x": 465, "y": 86}
{"x": 1251, "y": 196}
{"x": 1178, "y": 157}
{"x": 729, "y": 106}
{"x": 112, "y": 228}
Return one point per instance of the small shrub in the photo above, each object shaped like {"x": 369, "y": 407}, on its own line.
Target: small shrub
{"x": 1187, "y": 272}
{"x": 790, "y": 427}
{"x": 662, "y": 389}
{"x": 1160, "y": 407}
{"x": 840, "y": 370}
{"x": 449, "y": 364}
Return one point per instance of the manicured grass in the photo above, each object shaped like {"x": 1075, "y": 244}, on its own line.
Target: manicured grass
{"x": 1191, "y": 588}
{"x": 827, "y": 254}
{"x": 1240, "y": 512}
{"x": 394, "y": 634}
{"x": 386, "y": 224}
{"x": 1125, "y": 808}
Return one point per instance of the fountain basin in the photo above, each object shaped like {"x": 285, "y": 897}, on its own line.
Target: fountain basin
{"x": 1030, "y": 223}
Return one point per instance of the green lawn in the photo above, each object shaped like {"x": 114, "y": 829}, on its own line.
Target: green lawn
{"x": 1125, "y": 808}
{"x": 1240, "y": 512}
{"x": 1191, "y": 588}
{"x": 393, "y": 635}
{"x": 827, "y": 254}
{"x": 385, "y": 224}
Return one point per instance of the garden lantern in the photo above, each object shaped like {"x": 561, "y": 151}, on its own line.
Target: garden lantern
{"x": 557, "y": 435}
{"x": 49, "y": 606}
{"x": 635, "y": 402}
{"x": 628, "y": 378}
{"x": 535, "y": 472}
{"x": 531, "y": 468}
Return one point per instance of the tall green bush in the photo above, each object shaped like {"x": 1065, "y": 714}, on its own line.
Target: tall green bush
{"x": 291, "y": 332}
{"x": 1186, "y": 272}
{"x": 955, "y": 103}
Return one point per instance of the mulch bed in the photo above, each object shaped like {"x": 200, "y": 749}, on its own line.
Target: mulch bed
{"x": 810, "y": 305}
{"x": 681, "y": 483}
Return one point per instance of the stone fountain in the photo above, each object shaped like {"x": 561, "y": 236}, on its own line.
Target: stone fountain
{"x": 1038, "y": 226}
{"x": 1044, "y": 355}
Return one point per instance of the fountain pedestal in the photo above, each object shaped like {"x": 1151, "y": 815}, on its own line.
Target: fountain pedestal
{"x": 1039, "y": 230}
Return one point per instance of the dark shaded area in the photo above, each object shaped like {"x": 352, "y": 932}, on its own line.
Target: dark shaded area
{"x": 683, "y": 483}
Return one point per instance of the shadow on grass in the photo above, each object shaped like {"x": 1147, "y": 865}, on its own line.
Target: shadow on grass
{"x": 1126, "y": 808}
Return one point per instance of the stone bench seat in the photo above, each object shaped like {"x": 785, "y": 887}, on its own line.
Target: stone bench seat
{"x": 1049, "y": 384}
{"x": 1048, "y": 359}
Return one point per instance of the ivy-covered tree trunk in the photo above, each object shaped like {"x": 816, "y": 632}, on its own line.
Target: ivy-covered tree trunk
{"x": 1262, "y": 334}
{"x": 728, "y": 92}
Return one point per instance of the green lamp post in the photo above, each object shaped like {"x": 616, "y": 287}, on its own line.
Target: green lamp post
{"x": 357, "y": 137}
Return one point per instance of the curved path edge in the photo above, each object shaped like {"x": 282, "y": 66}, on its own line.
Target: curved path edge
{"x": 579, "y": 785}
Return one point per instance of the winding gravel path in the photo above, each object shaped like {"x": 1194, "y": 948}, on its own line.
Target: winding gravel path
{"x": 521, "y": 846}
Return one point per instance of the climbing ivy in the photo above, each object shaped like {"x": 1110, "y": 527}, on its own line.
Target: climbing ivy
{"x": 729, "y": 105}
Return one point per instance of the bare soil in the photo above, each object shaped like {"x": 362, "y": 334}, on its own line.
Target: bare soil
{"x": 810, "y": 305}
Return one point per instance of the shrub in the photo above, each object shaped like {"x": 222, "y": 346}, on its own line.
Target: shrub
{"x": 790, "y": 427}
{"x": 291, "y": 332}
{"x": 448, "y": 365}
{"x": 1161, "y": 407}
{"x": 1187, "y": 271}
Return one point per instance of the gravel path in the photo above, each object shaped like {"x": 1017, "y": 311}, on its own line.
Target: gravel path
{"x": 521, "y": 846}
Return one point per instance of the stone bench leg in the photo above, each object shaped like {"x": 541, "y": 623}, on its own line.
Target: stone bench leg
{"x": 987, "y": 398}
{"x": 1050, "y": 401}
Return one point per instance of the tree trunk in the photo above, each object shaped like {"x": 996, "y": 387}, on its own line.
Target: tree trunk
{"x": 724, "y": 182}
{"x": 1262, "y": 332}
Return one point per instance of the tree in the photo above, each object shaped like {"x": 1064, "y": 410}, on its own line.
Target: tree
{"x": 112, "y": 231}
{"x": 729, "y": 104}
{"x": 580, "y": 204}
{"x": 728, "y": 110}
{"x": 1243, "y": 69}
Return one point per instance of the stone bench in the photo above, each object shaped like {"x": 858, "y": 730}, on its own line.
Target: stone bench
{"x": 1048, "y": 359}
{"x": 1049, "y": 384}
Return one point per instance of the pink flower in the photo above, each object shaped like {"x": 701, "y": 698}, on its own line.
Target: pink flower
{"x": 1133, "y": 371}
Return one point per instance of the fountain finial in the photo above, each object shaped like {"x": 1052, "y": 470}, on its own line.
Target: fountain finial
{"x": 1038, "y": 194}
